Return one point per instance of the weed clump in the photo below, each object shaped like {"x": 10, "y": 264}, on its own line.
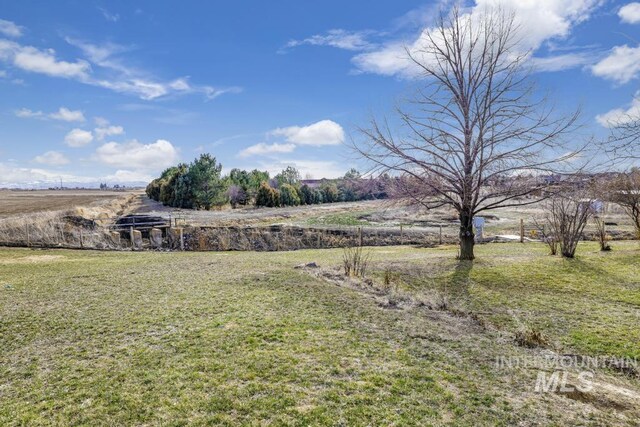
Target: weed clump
{"x": 531, "y": 337}
{"x": 354, "y": 261}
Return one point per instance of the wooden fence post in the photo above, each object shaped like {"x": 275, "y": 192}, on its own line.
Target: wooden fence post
{"x": 360, "y": 235}
{"x": 28, "y": 237}
{"x": 521, "y": 230}
{"x": 401, "y": 235}
{"x": 440, "y": 238}
{"x": 181, "y": 239}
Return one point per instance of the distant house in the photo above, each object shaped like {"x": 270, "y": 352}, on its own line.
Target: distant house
{"x": 552, "y": 179}
{"x": 312, "y": 183}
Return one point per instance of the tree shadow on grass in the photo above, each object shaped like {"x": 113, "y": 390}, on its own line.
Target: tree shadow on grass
{"x": 460, "y": 282}
{"x": 603, "y": 276}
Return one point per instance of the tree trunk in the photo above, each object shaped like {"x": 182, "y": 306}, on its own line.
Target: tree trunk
{"x": 636, "y": 222}
{"x": 467, "y": 238}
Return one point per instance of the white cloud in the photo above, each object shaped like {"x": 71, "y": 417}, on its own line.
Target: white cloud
{"x": 630, "y": 13}
{"x": 111, "y": 17}
{"x": 142, "y": 88}
{"x": 10, "y": 29}
{"x": 621, "y": 116}
{"x": 25, "y": 113}
{"x": 105, "y": 129}
{"x": 52, "y": 158}
{"x": 12, "y": 176}
{"x": 562, "y": 62}
{"x": 387, "y": 61}
{"x": 213, "y": 93}
{"x": 324, "y": 132}
{"x": 539, "y": 21}
{"x": 180, "y": 84}
{"x": 67, "y": 115}
{"x": 104, "y": 68}
{"x": 130, "y": 80}
{"x": 134, "y": 155}
{"x": 126, "y": 176}
{"x": 101, "y": 121}
{"x": 621, "y": 65}
{"x": 341, "y": 39}
{"x": 263, "y": 148}
{"x": 34, "y": 60}
{"x": 102, "y": 132}
{"x": 63, "y": 114}
{"x": 104, "y": 55}
{"x": 78, "y": 138}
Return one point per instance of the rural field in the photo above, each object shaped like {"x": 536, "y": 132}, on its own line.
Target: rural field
{"x": 229, "y": 338}
{"x": 15, "y": 203}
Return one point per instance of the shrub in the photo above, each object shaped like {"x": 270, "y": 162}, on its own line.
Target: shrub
{"x": 153, "y": 189}
{"x": 267, "y": 196}
{"x": 601, "y": 232}
{"x": 530, "y": 337}
{"x": 249, "y": 182}
{"x": 354, "y": 261}
{"x": 330, "y": 193}
{"x": 318, "y": 196}
{"x": 567, "y": 216}
{"x": 236, "y": 195}
{"x": 288, "y": 195}
{"x": 307, "y": 195}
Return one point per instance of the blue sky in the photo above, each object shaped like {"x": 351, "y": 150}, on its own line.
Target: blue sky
{"x": 117, "y": 91}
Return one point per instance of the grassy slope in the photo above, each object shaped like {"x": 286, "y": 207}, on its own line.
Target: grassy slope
{"x": 227, "y": 338}
{"x": 590, "y": 304}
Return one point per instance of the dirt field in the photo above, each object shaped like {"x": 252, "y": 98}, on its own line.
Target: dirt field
{"x": 13, "y": 202}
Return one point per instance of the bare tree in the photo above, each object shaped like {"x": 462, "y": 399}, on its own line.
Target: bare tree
{"x": 622, "y": 143}
{"x": 567, "y": 216}
{"x": 625, "y": 191}
{"x": 601, "y": 233}
{"x": 474, "y": 135}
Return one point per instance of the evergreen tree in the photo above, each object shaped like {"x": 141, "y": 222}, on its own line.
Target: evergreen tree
{"x": 208, "y": 186}
{"x": 267, "y": 196}
{"x": 307, "y": 196}
{"x": 330, "y": 192}
{"x": 288, "y": 195}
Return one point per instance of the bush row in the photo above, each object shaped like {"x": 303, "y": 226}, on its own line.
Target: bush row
{"x": 200, "y": 185}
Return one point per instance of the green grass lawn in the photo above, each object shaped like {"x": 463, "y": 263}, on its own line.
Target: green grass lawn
{"x": 350, "y": 218}
{"x": 108, "y": 338}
